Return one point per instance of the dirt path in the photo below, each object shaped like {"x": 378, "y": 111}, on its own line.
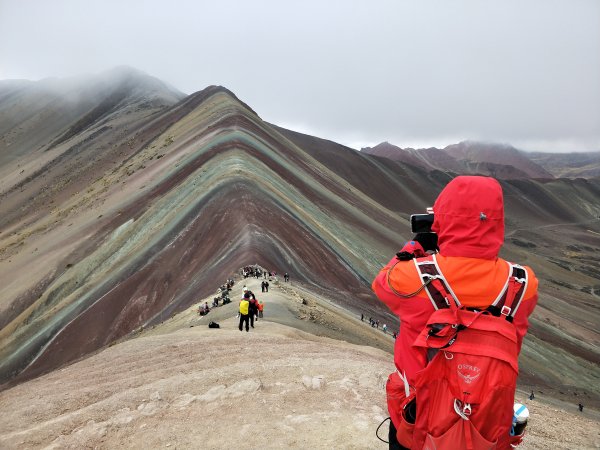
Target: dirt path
{"x": 183, "y": 385}
{"x": 293, "y": 305}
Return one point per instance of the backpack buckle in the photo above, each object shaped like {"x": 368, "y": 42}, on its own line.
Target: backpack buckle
{"x": 462, "y": 409}
{"x": 431, "y": 277}
{"x": 505, "y": 310}
{"x": 467, "y": 409}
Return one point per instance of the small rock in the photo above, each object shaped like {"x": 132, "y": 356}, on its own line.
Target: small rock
{"x": 313, "y": 382}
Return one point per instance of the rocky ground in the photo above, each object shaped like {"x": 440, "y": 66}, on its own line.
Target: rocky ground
{"x": 292, "y": 381}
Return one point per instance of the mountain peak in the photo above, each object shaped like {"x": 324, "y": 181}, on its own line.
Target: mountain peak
{"x": 497, "y": 154}
{"x": 213, "y": 89}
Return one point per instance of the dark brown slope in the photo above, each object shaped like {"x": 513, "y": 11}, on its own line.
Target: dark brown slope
{"x": 397, "y": 186}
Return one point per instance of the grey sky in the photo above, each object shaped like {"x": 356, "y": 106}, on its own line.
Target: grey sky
{"x": 416, "y": 73}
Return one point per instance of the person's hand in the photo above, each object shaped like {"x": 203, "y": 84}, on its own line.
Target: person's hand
{"x": 412, "y": 249}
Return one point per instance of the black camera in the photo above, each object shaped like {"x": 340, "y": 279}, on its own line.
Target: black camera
{"x": 421, "y": 223}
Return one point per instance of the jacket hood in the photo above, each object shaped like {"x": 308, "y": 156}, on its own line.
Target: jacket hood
{"x": 469, "y": 218}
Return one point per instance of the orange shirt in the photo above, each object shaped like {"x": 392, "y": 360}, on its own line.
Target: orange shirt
{"x": 476, "y": 282}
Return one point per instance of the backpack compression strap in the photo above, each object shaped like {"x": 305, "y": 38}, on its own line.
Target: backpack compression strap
{"x": 506, "y": 304}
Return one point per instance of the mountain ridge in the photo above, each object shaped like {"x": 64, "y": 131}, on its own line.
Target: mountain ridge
{"x": 119, "y": 228}
{"x": 467, "y": 158}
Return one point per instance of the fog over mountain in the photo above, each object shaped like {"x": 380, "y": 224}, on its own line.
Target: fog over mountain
{"x": 415, "y": 74}
{"x": 123, "y": 202}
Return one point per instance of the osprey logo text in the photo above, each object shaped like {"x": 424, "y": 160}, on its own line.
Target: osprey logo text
{"x": 468, "y": 373}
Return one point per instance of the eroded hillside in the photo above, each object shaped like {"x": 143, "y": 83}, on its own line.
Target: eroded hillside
{"x": 125, "y": 217}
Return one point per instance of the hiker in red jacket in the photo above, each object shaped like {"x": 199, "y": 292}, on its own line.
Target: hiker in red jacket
{"x": 253, "y": 306}
{"x": 469, "y": 223}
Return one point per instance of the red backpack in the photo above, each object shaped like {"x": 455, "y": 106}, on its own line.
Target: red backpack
{"x": 465, "y": 394}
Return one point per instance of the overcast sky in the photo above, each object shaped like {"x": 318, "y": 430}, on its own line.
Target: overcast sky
{"x": 414, "y": 73}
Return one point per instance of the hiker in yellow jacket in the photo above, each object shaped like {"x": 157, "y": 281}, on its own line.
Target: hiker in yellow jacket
{"x": 245, "y": 312}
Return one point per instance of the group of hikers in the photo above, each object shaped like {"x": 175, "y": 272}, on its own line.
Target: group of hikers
{"x": 222, "y": 296}
{"x": 223, "y": 293}
{"x": 256, "y": 271}
{"x": 253, "y": 271}
{"x": 374, "y": 323}
{"x": 250, "y": 309}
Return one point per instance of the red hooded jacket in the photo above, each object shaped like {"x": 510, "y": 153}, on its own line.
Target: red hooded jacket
{"x": 469, "y": 221}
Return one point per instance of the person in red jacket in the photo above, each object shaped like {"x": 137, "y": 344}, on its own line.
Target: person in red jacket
{"x": 469, "y": 223}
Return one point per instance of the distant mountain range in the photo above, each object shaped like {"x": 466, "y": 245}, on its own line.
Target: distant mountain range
{"x": 569, "y": 165}
{"x": 495, "y": 160}
{"x": 123, "y": 201}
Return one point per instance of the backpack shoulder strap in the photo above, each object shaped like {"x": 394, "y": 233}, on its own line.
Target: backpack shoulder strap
{"x": 436, "y": 285}
{"x": 510, "y": 297}
{"x": 439, "y": 291}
